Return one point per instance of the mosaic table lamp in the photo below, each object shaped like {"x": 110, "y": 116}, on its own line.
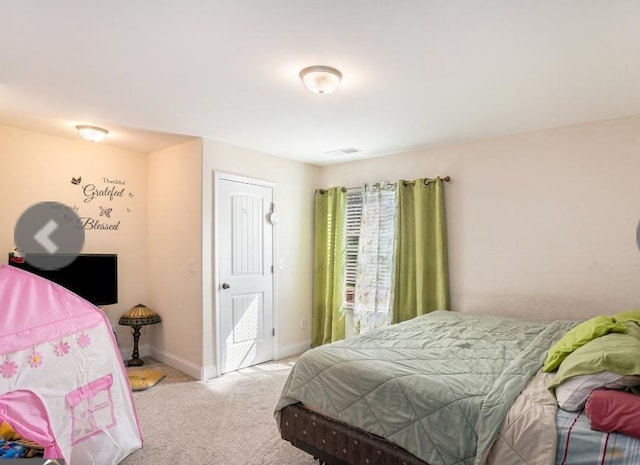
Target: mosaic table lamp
{"x": 139, "y": 316}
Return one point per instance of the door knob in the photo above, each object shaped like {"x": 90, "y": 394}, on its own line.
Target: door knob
{"x": 225, "y": 286}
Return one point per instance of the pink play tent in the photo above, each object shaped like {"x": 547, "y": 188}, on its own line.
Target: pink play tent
{"x": 62, "y": 380}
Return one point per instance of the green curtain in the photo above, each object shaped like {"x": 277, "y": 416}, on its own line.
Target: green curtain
{"x": 422, "y": 283}
{"x": 330, "y": 250}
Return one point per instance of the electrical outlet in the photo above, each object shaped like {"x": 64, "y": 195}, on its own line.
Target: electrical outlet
{"x": 303, "y": 324}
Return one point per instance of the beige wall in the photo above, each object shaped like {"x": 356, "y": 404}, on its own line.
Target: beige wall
{"x": 160, "y": 241}
{"x": 295, "y": 184}
{"x": 38, "y": 167}
{"x": 175, "y": 251}
{"x": 540, "y": 224}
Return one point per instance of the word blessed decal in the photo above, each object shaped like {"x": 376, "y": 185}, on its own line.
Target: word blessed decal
{"x": 106, "y": 195}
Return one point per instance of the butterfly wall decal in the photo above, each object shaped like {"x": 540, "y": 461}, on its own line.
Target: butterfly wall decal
{"x": 106, "y": 212}
{"x": 77, "y": 180}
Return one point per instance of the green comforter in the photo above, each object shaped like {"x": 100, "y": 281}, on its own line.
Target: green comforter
{"x": 439, "y": 385}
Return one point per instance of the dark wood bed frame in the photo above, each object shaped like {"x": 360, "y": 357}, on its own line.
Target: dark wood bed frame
{"x": 332, "y": 442}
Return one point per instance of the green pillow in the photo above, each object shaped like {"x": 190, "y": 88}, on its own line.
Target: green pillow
{"x": 633, "y": 329}
{"x": 631, "y": 315}
{"x": 579, "y": 336}
{"x": 617, "y": 353}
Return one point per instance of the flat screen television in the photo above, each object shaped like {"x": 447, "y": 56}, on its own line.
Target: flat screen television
{"x": 93, "y": 277}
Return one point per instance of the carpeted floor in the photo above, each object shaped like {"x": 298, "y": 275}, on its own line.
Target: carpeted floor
{"x": 225, "y": 421}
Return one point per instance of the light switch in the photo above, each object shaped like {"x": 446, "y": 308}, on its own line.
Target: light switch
{"x": 281, "y": 264}
{"x": 192, "y": 265}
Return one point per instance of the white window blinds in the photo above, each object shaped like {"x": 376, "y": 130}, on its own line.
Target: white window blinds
{"x": 354, "y": 219}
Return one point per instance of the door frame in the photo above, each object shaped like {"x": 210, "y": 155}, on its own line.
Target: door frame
{"x": 218, "y": 177}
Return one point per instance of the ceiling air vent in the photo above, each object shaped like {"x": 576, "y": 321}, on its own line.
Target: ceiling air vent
{"x": 344, "y": 151}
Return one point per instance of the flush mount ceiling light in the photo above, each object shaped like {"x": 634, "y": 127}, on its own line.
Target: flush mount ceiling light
{"x": 92, "y": 133}
{"x": 321, "y": 79}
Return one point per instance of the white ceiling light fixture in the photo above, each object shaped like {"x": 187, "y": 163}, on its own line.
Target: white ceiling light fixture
{"x": 321, "y": 79}
{"x": 92, "y": 133}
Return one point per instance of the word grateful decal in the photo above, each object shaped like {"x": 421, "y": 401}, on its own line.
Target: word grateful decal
{"x": 103, "y": 202}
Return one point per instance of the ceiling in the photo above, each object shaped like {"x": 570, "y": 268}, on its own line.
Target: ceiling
{"x": 417, "y": 73}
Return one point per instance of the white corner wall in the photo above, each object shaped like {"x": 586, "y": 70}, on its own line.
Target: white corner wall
{"x": 540, "y": 225}
{"x": 174, "y": 255}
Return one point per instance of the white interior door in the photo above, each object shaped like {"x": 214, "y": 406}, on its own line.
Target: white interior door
{"x": 245, "y": 284}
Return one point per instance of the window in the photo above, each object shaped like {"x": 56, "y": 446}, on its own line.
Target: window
{"x": 354, "y": 218}
{"x": 91, "y": 409}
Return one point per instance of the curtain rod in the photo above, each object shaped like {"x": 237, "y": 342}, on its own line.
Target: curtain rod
{"x": 324, "y": 191}
{"x": 407, "y": 183}
{"x": 426, "y": 181}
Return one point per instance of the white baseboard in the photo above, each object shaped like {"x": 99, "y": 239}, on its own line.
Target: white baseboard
{"x": 292, "y": 350}
{"x": 196, "y": 371}
{"x": 208, "y": 372}
{"x": 185, "y": 366}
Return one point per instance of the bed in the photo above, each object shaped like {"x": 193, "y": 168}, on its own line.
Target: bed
{"x": 442, "y": 389}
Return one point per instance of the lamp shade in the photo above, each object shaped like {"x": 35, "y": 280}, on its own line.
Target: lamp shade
{"x": 321, "y": 79}
{"x": 139, "y": 315}
{"x": 92, "y": 133}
